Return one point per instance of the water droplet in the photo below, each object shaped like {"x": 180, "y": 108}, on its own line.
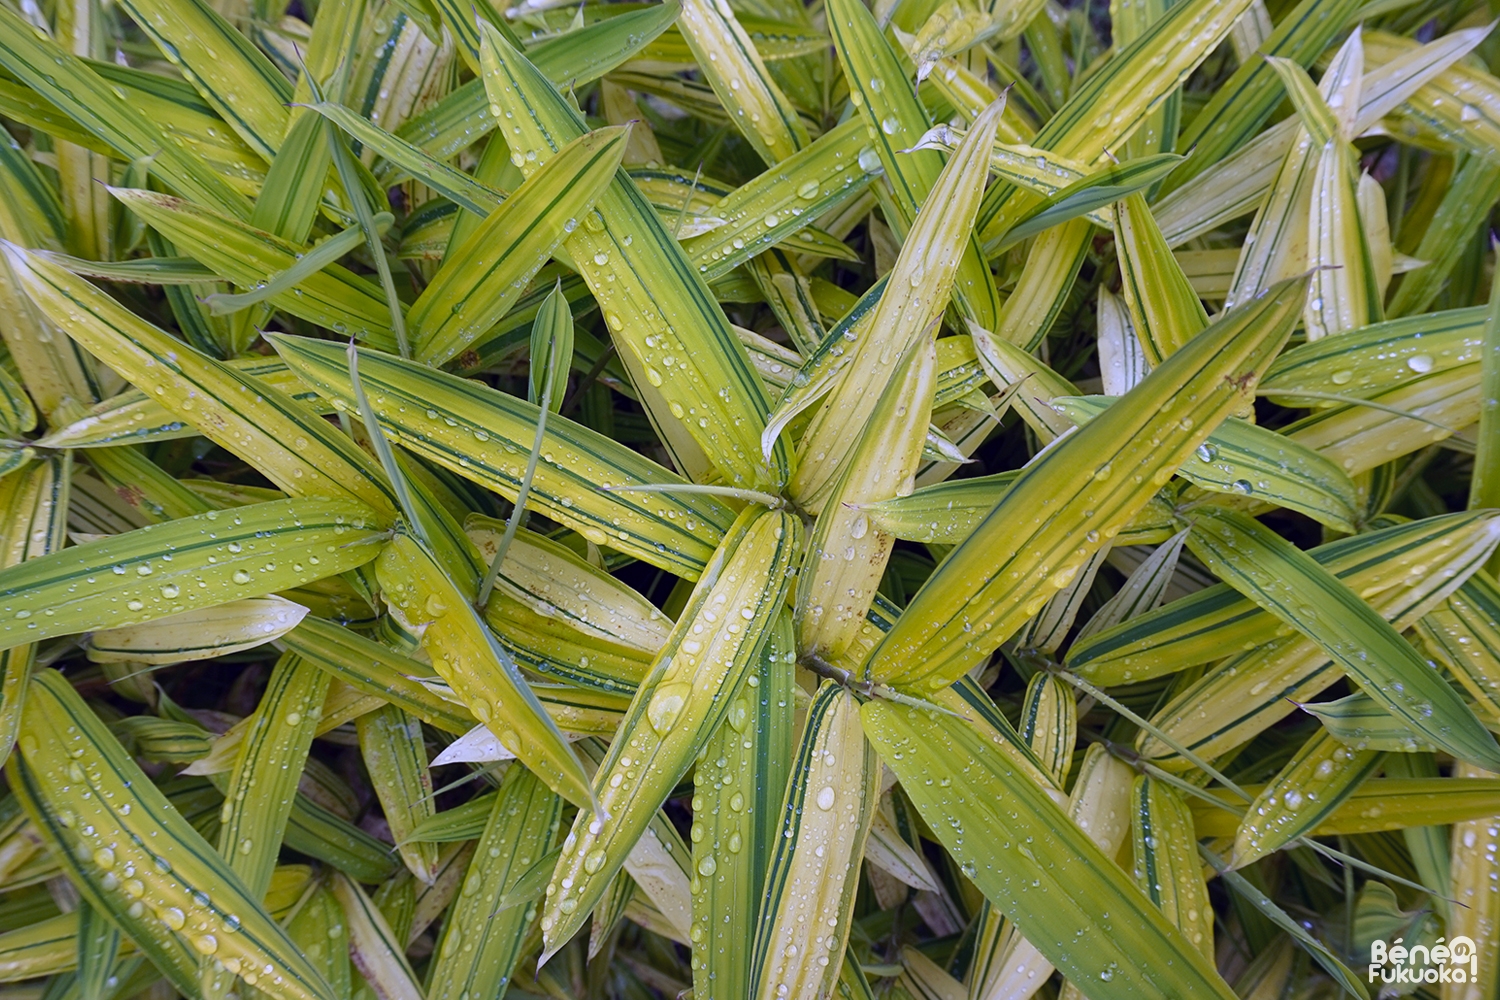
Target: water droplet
{"x": 594, "y": 860}
{"x": 666, "y": 705}
{"x": 1420, "y": 363}
{"x": 825, "y": 798}
{"x": 240, "y": 576}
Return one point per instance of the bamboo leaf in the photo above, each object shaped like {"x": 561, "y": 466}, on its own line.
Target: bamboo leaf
{"x": 1111, "y": 102}
{"x": 576, "y": 58}
{"x": 688, "y": 693}
{"x": 483, "y": 277}
{"x": 1292, "y": 586}
{"x": 326, "y": 253}
{"x": 319, "y": 932}
{"x": 1166, "y": 311}
{"x": 1381, "y": 356}
{"x": 734, "y": 68}
{"x": 1266, "y": 683}
{"x": 825, "y": 820}
{"x": 375, "y": 669}
{"x": 189, "y": 904}
{"x": 1378, "y": 804}
{"x": 1167, "y": 867}
{"x": 373, "y": 947}
{"x": 914, "y": 297}
{"x": 1350, "y": 299}
{"x": 555, "y": 582}
{"x": 1202, "y": 626}
{"x": 391, "y": 744}
{"x": 1312, "y": 784}
{"x": 1484, "y": 487}
{"x": 1089, "y": 194}
{"x": 1008, "y": 834}
{"x": 1242, "y": 459}
{"x": 1134, "y": 453}
{"x": 551, "y": 351}
{"x": 740, "y": 819}
{"x": 896, "y": 120}
{"x": 489, "y": 438}
{"x": 845, "y": 560}
{"x": 467, "y": 655}
{"x": 1359, "y": 722}
{"x": 452, "y": 183}
{"x": 1049, "y": 723}
{"x": 35, "y": 502}
{"x": 260, "y": 791}
{"x": 1319, "y": 951}
{"x": 199, "y": 635}
{"x": 333, "y": 297}
{"x": 75, "y": 88}
{"x": 1251, "y": 94}
{"x": 1368, "y": 432}
{"x": 301, "y": 454}
{"x": 195, "y": 562}
{"x": 771, "y": 208}
{"x": 673, "y": 336}
{"x": 231, "y": 74}
{"x": 1472, "y": 866}
{"x": 482, "y": 941}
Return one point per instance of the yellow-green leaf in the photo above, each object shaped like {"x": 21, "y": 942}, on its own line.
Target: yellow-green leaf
{"x": 825, "y": 821}
{"x": 483, "y": 277}
{"x": 1081, "y": 493}
{"x": 1291, "y": 585}
{"x": 194, "y": 562}
{"x": 673, "y": 336}
{"x": 299, "y": 452}
{"x": 147, "y": 868}
{"x": 679, "y": 705}
{"x": 469, "y": 657}
{"x": 1032, "y": 862}
{"x": 485, "y": 435}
